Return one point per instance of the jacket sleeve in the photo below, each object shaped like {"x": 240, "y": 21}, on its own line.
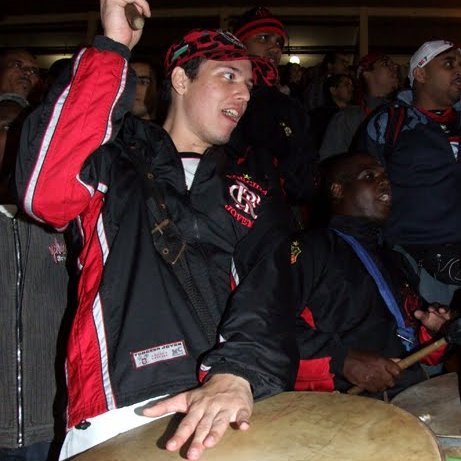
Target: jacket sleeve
{"x": 435, "y": 357}
{"x": 322, "y": 353}
{"x": 258, "y": 327}
{"x": 299, "y": 165}
{"x": 337, "y": 137}
{"x": 370, "y": 136}
{"x": 82, "y": 112}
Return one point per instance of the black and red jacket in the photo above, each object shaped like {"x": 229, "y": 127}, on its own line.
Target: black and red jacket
{"x": 135, "y": 334}
{"x": 340, "y": 307}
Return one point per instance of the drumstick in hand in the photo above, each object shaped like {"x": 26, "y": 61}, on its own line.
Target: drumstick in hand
{"x": 134, "y": 17}
{"x": 409, "y": 361}
{"x": 452, "y": 336}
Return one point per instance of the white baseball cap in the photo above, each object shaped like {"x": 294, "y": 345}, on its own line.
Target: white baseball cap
{"x": 426, "y": 53}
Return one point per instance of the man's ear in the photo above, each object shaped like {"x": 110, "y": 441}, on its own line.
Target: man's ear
{"x": 179, "y": 80}
{"x": 336, "y": 191}
{"x": 419, "y": 74}
{"x": 366, "y": 75}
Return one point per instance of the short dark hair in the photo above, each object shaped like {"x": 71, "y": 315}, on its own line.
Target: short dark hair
{"x": 336, "y": 170}
{"x": 333, "y": 81}
{"x": 330, "y": 58}
{"x": 191, "y": 69}
{"x": 151, "y": 92}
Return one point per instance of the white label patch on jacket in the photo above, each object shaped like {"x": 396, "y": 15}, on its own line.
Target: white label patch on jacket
{"x": 157, "y": 354}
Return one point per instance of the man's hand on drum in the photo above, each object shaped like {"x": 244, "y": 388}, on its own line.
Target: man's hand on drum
{"x": 370, "y": 371}
{"x": 210, "y": 409}
{"x": 116, "y": 25}
{"x": 435, "y": 317}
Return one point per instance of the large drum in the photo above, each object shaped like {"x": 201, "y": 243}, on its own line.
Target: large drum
{"x": 437, "y": 403}
{"x": 294, "y": 426}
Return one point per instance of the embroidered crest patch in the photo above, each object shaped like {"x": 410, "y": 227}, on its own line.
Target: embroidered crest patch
{"x": 246, "y": 199}
{"x": 58, "y": 252}
{"x": 286, "y": 129}
{"x": 295, "y": 251}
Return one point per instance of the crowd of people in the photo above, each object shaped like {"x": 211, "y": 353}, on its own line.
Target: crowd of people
{"x": 224, "y": 230}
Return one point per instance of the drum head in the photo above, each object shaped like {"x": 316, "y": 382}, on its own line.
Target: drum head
{"x": 436, "y": 402}
{"x": 295, "y": 426}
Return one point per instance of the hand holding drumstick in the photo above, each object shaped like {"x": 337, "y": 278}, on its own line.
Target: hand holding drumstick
{"x": 451, "y": 335}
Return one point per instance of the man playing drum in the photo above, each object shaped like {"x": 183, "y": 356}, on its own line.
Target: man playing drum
{"x": 173, "y": 240}
{"x": 358, "y": 311}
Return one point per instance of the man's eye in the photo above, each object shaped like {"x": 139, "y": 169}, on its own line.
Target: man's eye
{"x": 263, "y": 37}
{"x": 367, "y": 175}
{"x": 229, "y": 75}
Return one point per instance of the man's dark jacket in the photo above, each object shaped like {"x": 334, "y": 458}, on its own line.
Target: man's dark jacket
{"x": 276, "y": 125}
{"x": 135, "y": 334}
{"x": 340, "y": 307}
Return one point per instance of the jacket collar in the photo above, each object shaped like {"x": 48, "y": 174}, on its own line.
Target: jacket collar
{"x": 152, "y": 144}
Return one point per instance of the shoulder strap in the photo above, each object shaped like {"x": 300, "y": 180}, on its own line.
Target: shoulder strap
{"x": 169, "y": 243}
{"x": 396, "y": 119}
{"x": 406, "y": 334}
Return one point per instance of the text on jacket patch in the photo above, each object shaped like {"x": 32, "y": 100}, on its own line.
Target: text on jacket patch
{"x": 157, "y": 354}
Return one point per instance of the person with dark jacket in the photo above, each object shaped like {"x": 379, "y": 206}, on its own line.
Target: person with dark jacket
{"x": 177, "y": 244}
{"x": 33, "y": 287}
{"x": 275, "y": 124}
{"x": 358, "y": 310}
{"x": 339, "y": 90}
{"x": 377, "y": 83}
{"x": 416, "y": 137}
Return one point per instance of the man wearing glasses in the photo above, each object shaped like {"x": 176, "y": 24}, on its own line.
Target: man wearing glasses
{"x": 145, "y": 100}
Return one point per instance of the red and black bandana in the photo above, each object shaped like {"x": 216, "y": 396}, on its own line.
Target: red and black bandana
{"x": 216, "y": 45}
{"x": 265, "y": 71}
{"x": 367, "y": 62}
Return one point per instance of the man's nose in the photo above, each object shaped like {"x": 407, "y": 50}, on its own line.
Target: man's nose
{"x": 384, "y": 179}
{"x": 28, "y": 70}
{"x": 244, "y": 92}
{"x": 458, "y": 67}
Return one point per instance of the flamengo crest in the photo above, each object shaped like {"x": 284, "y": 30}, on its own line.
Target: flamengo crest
{"x": 246, "y": 195}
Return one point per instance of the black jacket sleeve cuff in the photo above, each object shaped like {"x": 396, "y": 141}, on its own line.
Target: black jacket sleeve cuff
{"x": 107, "y": 44}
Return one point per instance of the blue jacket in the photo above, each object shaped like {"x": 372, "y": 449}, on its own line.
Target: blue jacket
{"x": 424, "y": 173}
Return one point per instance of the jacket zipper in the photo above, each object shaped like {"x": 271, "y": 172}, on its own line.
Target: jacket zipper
{"x": 19, "y": 333}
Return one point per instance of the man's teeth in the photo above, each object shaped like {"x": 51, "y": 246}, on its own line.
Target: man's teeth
{"x": 231, "y": 113}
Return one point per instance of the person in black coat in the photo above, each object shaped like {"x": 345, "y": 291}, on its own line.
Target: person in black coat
{"x": 358, "y": 312}
{"x": 275, "y": 125}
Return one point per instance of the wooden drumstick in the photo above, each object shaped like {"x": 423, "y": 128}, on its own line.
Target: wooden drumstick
{"x": 134, "y": 17}
{"x": 409, "y": 361}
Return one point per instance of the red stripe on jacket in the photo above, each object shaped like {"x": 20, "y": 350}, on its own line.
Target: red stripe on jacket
{"x": 313, "y": 374}
{"x": 54, "y": 194}
{"x": 86, "y": 393}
